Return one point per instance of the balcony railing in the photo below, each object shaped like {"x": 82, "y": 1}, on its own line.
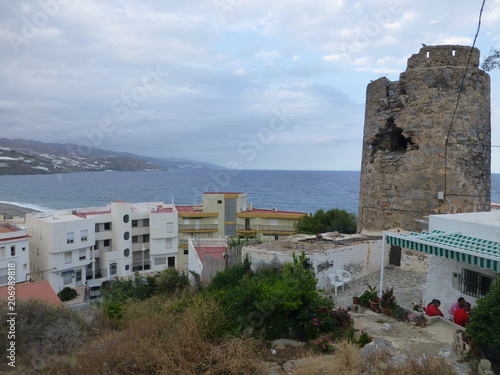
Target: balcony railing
{"x": 99, "y": 274}
{"x": 183, "y": 243}
{"x": 198, "y": 228}
{"x": 138, "y": 266}
{"x": 267, "y": 228}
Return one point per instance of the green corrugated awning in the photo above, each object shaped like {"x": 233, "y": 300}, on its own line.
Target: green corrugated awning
{"x": 471, "y": 250}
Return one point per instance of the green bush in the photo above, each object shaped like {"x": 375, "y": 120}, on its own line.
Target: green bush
{"x": 67, "y": 294}
{"x": 171, "y": 281}
{"x": 270, "y": 303}
{"x": 484, "y": 325}
{"x": 334, "y": 220}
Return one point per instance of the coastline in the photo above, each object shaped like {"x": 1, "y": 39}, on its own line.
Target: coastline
{"x": 9, "y": 210}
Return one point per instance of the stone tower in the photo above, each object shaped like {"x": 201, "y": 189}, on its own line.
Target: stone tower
{"x": 427, "y": 141}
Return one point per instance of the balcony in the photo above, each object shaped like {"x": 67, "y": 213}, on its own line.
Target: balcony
{"x": 267, "y": 229}
{"x": 183, "y": 244}
{"x": 198, "y": 228}
{"x": 139, "y": 267}
{"x": 99, "y": 274}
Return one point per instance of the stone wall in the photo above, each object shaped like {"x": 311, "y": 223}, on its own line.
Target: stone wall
{"x": 420, "y": 155}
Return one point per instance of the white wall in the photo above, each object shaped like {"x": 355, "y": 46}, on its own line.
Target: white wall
{"x": 360, "y": 259}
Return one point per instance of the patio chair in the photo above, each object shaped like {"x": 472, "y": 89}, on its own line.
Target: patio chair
{"x": 339, "y": 278}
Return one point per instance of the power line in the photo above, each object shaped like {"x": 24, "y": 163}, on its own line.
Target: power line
{"x": 458, "y": 98}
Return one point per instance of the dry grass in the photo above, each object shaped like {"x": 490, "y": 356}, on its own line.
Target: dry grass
{"x": 161, "y": 342}
{"x": 347, "y": 361}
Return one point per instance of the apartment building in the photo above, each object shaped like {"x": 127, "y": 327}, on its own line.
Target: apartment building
{"x": 69, "y": 247}
{"x": 14, "y": 243}
{"x": 230, "y": 215}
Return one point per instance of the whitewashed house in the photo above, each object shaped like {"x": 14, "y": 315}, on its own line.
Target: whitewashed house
{"x": 69, "y": 247}
{"x": 14, "y": 243}
{"x": 464, "y": 254}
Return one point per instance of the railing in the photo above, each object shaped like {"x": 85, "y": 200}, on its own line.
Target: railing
{"x": 267, "y": 228}
{"x": 138, "y": 266}
{"x": 197, "y": 228}
{"x": 183, "y": 243}
{"x": 99, "y": 274}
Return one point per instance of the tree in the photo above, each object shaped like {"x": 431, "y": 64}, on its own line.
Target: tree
{"x": 484, "y": 326}
{"x": 334, "y": 220}
{"x": 491, "y": 61}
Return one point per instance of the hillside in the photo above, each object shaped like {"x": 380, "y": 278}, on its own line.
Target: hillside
{"x": 20, "y": 156}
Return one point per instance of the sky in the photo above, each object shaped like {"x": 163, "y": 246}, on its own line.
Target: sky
{"x": 238, "y": 83}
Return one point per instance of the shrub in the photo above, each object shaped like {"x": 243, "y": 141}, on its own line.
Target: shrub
{"x": 67, "y": 294}
{"x": 43, "y": 330}
{"x": 334, "y": 220}
{"x": 484, "y": 325}
{"x": 368, "y": 294}
{"x": 172, "y": 281}
{"x": 270, "y": 302}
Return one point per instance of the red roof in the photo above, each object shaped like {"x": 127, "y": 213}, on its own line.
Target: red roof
{"x": 210, "y": 251}
{"x": 225, "y": 192}
{"x": 14, "y": 238}
{"x": 38, "y": 289}
{"x": 185, "y": 209}
{"x": 261, "y": 210}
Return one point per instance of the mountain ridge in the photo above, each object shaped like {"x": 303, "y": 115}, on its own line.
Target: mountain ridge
{"x": 22, "y": 156}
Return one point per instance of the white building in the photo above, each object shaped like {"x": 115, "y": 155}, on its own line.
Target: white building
{"x": 464, "y": 254}
{"x": 14, "y": 243}
{"x": 69, "y": 247}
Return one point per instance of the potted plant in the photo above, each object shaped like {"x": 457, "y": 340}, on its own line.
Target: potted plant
{"x": 388, "y": 301}
{"x": 370, "y": 293}
{"x": 355, "y": 300}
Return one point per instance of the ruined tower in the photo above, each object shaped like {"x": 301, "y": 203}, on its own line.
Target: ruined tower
{"x": 427, "y": 141}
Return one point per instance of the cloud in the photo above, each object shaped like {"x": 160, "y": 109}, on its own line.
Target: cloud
{"x": 228, "y": 71}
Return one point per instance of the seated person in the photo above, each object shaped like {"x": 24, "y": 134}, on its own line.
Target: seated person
{"x": 433, "y": 308}
{"x": 461, "y": 316}
{"x": 457, "y": 305}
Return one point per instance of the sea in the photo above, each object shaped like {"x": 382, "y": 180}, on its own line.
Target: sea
{"x": 298, "y": 191}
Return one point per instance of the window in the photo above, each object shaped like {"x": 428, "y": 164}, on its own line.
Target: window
{"x": 171, "y": 262}
{"x": 24, "y": 249}
{"x": 135, "y": 239}
{"x": 160, "y": 261}
{"x": 25, "y": 266}
{"x": 170, "y": 227}
{"x": 67, "y": 277}
{"x": 84, "y": 235}
{"x": 107, "y": 226}
{"x": 475, "y": 284}
{"x": 4, "y": 277}
{"x": 70, "y": 237}
{"x": 127, "y": 267}
{"x": 168, "y": 243}
{"x": 97, "y": 228}
{"x": 219, "y": 201}
{"x": 67, "y": 257}
{"x": 186, "y": 251}
{"x": 2, "y": 252}
{"x": 96, "y": 246}
{"x": 78, "y": 275}
{"x": 145, "y": 223}
{"x": 106, "y": 243}
{"x": 145, "y": 238}
{"x": 185, "y": 221}
{"x": 273, "y": 222}
{"x": 112, "y": 269}
{"x": 134, "y": 223}
{"x": 126, "y": 252}
{"x": 126, "y": 236}
{"x": 83, "y": 254}
{"x": 126, "y": 219}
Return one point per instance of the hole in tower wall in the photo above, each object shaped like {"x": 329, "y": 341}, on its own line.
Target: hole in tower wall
{"x": 391, "y": 139}
{"x": 453, "y": 52}
{"x": 428, "y": 54}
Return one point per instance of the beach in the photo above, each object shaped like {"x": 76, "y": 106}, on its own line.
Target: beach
{"x": 13, "y": 210}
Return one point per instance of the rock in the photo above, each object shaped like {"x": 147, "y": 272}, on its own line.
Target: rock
{"x": 378, "y": 344}
{"x": 387, "y": 327}
{"x": 283, "y": 343}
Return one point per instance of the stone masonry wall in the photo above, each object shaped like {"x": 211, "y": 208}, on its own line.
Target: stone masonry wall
{"x": 416, "y": 161}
